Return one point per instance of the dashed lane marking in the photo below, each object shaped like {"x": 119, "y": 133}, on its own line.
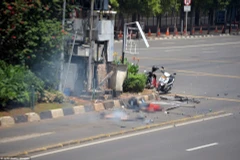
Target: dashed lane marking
{"x": 201, "y": 147}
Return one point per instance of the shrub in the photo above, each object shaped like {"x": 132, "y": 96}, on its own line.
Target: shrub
{"x": 51, "y": 96}
{"x": 133, "y": 68}
{"x": 15, "y": 84}
{"x": 134, "y": 83}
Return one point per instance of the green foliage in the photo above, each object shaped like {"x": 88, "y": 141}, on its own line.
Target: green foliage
{"x": 133, "y": 68}
{"x": 15, "y": 84}
{"x": 31, "y": 35}
{"x": 143, "y": 7}
{"x": 134, "y": 83}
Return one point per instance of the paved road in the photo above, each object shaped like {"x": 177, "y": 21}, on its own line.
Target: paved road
{"x": 216, "y": 139}
{"x": 206, "y": 67}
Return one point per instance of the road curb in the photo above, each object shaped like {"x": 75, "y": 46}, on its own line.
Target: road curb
{"x": 184, "y": 37}
{"x": 101, "y": 136}
{"x": 7, "y": 121}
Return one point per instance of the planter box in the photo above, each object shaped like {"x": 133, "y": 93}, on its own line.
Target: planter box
{"x": 118, "y": 77}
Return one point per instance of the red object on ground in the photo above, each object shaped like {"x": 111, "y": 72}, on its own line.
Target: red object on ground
{"x": 154, "y": 107}
{"x": 154, "y": 82}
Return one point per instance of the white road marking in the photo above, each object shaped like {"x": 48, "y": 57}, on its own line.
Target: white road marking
{"x": 201, "y": 147}
{"x": 102, "y": 141}
{"x": 165, "y": 43}
{"x": 204, "y": 119}
{"x": 192, "y": 46}
{"x": 172, "y": 50}
{"x": 219, "y": 116}
{"x": 208, "y": 48}
{"x": 209, "y": 51}
{"x": 122, "y": 137}
{"x": 24, "y": 137}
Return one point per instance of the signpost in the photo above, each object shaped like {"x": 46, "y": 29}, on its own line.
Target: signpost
{"x": 187, "y": 8}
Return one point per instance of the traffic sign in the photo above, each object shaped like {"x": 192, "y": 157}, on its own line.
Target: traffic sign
{"x": 187, "y": 2}
{"x": 187, "y": 8}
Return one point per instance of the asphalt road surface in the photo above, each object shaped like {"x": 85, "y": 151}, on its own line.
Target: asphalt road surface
{"x": 216, "y": 139}
{"x": 207, "y": 69}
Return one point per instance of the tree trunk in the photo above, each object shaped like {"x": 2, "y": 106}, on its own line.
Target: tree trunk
{"x": 209, "y": 20}
{"x": 134, "y": 17}
{"x": 160, "y": 19}
{"x": 225, "y": 21}
{"x": 191, "y": 19}
{"x": 197, "y": 16}
{"x": 157, "y": 25}
{"x": 230, "y": 21}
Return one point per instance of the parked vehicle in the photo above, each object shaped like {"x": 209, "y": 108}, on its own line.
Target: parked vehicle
{"x": 151, "y": 78}
{"x": 165, "y": 82}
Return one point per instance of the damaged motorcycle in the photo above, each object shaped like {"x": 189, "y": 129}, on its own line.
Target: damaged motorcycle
{"x": 166, "y": 81}
{"x": 151, "y": 78}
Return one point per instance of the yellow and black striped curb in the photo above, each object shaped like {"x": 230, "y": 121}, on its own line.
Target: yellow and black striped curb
{"x": 61, "y": 112}
{"x": 101, "y": 136}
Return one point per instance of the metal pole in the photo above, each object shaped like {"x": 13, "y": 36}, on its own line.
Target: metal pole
{"x": 90, "y": 49}
{"x": 186, "y": 22}
{"x": 181, "y": 27}
{"x": 60, "y": 88}
{"x": 69, "y": 60}
{"x": 124, "y": 42}
{"x": 33, "y": 97}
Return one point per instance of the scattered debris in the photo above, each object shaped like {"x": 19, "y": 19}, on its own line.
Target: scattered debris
{"x": 171, "y": 108}
{"x": 225, "y": 94}
{"x": 186, "y": 105}
{"x": 186, "y": 99}
{"x": 179, "y": 113}
{"x": 147, "y": 121}
{"x": 117, "y": 114}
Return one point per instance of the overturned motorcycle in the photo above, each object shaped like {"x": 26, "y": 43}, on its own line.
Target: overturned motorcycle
{"x": 165, "y": 82}
{"x": 151, "y": 78}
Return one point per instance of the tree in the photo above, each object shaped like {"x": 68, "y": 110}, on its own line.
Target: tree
{"x": 31, "y": 35}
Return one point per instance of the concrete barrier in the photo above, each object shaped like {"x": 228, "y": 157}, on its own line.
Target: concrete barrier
{"x": 146, "y": 97}
{"x": 89, "y": 108}
{"x": 98, "y": 107}
{"x": 20, "y": 119}
{"x": 32, "y": 117}
{"x": 68, "y": 111}
{"x": 6, "y": 121}
{"x": 79, "y": 109}
{"x": 151, "y": 97}
{"x": 116, "y": 103}
{"x": 56, "y": 113}
{"x": 46, "y": 115}
{"x": 108, "y": 104}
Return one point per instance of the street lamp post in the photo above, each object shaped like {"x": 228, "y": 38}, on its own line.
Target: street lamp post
{"x": 91, "y": 48}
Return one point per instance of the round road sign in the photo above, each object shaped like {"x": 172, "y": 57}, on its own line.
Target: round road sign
{"x": 187, "y": 2}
